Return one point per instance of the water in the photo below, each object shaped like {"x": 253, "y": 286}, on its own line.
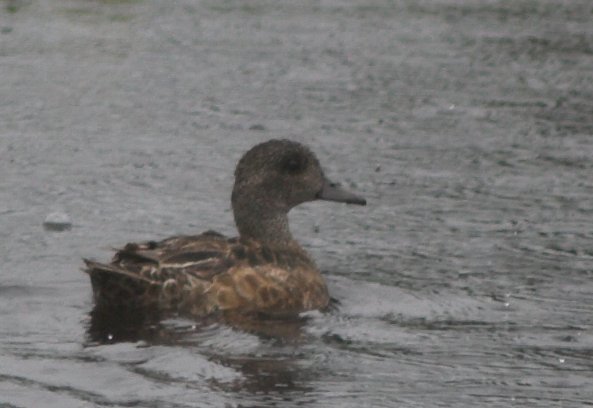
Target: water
{"x": 466, "y": 281}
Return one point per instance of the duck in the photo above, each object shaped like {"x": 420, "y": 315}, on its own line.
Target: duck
{"x": 263, "y": 271}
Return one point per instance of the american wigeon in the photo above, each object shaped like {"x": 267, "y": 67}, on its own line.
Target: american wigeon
{"x": 264, "y": 271}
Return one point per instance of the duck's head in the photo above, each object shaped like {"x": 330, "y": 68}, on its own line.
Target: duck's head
{"x": 275, "y": 176}
{"x": 285, "y": 174}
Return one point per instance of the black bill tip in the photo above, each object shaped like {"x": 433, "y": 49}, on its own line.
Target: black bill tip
{"x": 333, "y": 192}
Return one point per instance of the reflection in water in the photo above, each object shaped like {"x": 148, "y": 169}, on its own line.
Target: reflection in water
{"x": 114, "y": 325}
{"x": 261, "y": 371}
{"x": 270, "y": 375}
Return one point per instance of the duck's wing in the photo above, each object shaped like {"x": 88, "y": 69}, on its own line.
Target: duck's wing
{"x": 202, "y": 274}
{"x": 201, "y": 256}
{"x": 155, "y": 273}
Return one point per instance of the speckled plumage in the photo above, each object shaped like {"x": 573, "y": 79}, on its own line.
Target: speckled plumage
{"x": 262, "y": 272}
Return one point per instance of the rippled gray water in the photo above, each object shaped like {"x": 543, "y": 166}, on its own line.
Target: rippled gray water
{"x": 466, "y": 281}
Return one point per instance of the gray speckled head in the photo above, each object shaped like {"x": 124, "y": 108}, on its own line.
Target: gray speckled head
{"x": 273, "y": 177}
{"x": 281, "y": 172}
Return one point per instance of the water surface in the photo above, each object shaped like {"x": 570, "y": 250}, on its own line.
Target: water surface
{"x": 467, "y": 279}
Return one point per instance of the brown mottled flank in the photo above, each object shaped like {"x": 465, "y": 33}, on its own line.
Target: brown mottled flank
{"x": 216, "y": 271}
{"x": 264, "y": 271}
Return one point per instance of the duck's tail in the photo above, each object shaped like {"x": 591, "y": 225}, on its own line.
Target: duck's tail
{"x": 116, "y": 287}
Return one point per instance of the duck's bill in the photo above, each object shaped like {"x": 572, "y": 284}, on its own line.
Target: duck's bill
{"x": 333, "y": 192}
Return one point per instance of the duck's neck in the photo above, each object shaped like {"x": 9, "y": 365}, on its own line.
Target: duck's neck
{"x": 263, "y": 222}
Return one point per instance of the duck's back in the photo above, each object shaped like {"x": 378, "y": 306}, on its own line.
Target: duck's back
{"x": 208, "y": 273}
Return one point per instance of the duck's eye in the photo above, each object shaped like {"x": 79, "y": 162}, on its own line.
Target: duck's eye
{"x": 294, "y": 163}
